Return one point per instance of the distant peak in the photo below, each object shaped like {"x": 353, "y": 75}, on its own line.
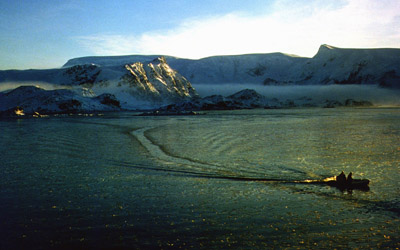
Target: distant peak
{"x": 27, "y": 89}
{"x": 326, "y": 49}
{"x": 290, "y": 55}
{"x": 246, "y": 94}
{"x": 327, "y": 46}
{"x": 30, "y": 88}
{"x": 160, "y": 59}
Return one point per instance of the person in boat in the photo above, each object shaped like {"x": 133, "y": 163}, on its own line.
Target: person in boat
{"x": 349, "y": 183}
{"x": 349, "y": 179}
{"x": 341, "y": 179}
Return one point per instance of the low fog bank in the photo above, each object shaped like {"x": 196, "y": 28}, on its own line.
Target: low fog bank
{"x": 6, "y": 86}
{"x": 319, "y": 93}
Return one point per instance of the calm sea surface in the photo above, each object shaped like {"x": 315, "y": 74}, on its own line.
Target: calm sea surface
{"x": 125, "y": 181}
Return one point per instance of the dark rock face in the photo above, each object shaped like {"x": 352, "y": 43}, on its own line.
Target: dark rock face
{"x": 245, "y": 99}
{"x": 353, "y": 103}
{"x": 390, "y": 79}
{"x": 246, "y": 94}
{"x": 70, "y": 106}
{"x": 332, "y": 104}
{"x": 250, "y": 99}
{"x": 347, "y": 103}
{"x": 109, "y": 99}
{"x": 83, "y": 74}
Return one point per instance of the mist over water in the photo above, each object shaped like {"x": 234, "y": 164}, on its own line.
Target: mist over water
{"x": 372, "y": 93}
{"x": 7, "y": 86}
{"x": 319, "y": 93}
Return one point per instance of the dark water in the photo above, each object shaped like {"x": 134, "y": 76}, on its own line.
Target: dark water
{"x": 123, "y": 181}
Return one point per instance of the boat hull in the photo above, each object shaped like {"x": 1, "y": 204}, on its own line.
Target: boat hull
{"x": 362, "y": 184}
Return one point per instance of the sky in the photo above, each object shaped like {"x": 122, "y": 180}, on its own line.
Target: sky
{"x": 45, "y": 34}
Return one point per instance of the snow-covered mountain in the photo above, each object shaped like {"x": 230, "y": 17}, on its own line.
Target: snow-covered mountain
{"x": 351, "y": 66}
{"x": 142, "y": 82}
{"x": 90, "y": 87}
{"x": 251, "y": 68}
{"x": 155, "y": 81}
{"x": 331, "y": 65}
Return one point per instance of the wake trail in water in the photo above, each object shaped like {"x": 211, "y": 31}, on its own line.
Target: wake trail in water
{"x": 181, "y": 165}
{"x": 178, "y": 164}
{"x": 198, "y": 174}
{"x": 189, "y": 165}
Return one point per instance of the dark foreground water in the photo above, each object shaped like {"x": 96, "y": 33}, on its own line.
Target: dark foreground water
{"x": 123, "y": 181}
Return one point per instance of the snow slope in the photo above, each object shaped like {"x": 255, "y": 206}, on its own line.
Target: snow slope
{"x": 251, "y": 68}
{"x": 351, "y": 66}
{"x": 331, "y": 65}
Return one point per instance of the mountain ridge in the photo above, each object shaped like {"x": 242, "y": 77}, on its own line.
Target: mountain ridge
{"x": 330, "y": 65}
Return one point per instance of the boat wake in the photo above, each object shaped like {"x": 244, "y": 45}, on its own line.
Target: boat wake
{"x": 194, "y": 168}
{"x": 173, "y": 161}
{"x": 174, "y": 164}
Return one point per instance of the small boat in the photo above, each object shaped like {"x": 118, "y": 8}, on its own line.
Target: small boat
{"x": 340, "y": 183}
{"x": 361, "y": 184}
{"x": 348, "y": 183}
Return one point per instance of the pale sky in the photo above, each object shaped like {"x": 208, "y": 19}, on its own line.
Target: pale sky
{"x": 45, "y": 34}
